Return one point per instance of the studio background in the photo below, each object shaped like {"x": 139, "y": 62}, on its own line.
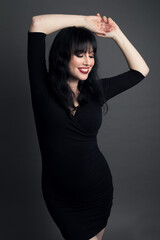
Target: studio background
{"x": 129, "y": 137}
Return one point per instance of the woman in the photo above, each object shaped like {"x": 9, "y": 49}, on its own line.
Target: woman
{"x": 67, "y": 103}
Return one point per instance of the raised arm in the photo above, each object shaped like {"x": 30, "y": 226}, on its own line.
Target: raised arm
{"x": 133, "y": 57}
{"x": 101, "y": 26}
{"x": 50, "y": 23}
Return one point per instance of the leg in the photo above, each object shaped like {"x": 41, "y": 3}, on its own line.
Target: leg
{"x": 100, "y": 234}
{"x": 94, "y": 238}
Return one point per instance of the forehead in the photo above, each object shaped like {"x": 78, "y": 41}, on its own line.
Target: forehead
{"x": 82, "y": 47}
{"x": 84, "y": 51}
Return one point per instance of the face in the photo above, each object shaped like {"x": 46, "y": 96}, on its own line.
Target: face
{"x": 81, "y": 64}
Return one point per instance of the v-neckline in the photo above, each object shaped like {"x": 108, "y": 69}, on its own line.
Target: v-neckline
{"x": 75, "y": 114}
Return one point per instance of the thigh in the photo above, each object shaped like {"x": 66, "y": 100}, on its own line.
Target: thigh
{"x": 94, "y": 238}
{"x": 100, "y": 234}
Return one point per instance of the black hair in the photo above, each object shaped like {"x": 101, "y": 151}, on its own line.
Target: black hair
{"x": 67, "y": 42}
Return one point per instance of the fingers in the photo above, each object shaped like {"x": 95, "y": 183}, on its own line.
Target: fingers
{"x": 104, "y": 18}
{"x": 106, "y": 24}
{"x": 101, "y": 35}
{"x": 110, "y": 21}
{"x": 98, "y": 15}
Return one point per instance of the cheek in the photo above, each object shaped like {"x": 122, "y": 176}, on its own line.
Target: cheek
{"x": 92, "y": 62}
{"x": 75, "y": 62}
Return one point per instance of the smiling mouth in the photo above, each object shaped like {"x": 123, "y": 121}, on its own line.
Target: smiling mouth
{"x": 84, "y": 70}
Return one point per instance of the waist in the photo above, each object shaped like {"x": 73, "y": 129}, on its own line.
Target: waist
{"x": 67, "y": 148}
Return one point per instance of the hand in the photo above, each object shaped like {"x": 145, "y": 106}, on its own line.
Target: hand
{"x": 97, "y": 25}
{"x": 109, "y": 27}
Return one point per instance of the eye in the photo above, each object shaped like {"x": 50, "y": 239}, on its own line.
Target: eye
{"x": 91, "y": 54}
{"x": 79, "y": 55}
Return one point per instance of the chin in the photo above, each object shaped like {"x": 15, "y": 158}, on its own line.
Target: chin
{"x": 83, "y": 78}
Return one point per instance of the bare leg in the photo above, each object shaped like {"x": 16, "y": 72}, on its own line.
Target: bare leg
{"x": 100, "y": 234}
{"x": 94, "y": 238}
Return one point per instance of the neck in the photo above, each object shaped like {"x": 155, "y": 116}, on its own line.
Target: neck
{"x": 73, "y": 85}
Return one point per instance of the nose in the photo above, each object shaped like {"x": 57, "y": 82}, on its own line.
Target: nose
{"x": 86, "y": 60}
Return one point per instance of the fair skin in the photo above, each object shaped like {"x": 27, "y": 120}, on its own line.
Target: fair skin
{"x": 102, "y": 27}
{"x": 80, "y": 66}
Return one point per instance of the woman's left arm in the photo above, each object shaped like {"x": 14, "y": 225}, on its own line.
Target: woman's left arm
{"x": 133, "y": 57}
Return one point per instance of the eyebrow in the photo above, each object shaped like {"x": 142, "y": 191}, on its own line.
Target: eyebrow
{"x": 82, "y": 51}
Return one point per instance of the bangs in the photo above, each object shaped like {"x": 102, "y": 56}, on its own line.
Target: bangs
{"x": 83, "y": 48}
{"x": 83, "y": 40}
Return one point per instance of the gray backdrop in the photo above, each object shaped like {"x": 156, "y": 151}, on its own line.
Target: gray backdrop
{"x": 129, "y": 137}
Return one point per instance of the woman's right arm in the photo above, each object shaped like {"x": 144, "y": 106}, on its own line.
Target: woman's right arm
{"x": 50, "y": 23}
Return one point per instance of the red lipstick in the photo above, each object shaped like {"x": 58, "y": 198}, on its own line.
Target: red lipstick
{"x": 84, "y": 70}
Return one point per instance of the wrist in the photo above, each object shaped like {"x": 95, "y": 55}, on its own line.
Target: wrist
{"x": 118, "y": 36}
{"x": 84, "y": 21}
{"x": 79, "y": 20}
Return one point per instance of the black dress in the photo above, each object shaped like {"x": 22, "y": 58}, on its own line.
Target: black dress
{"x": 76, "y": 179}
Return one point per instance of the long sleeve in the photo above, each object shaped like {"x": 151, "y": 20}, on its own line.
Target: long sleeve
{"x": 37, "y": 64}
{"x": 115, "y": 85}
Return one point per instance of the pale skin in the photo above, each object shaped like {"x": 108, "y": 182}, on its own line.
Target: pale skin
{"x": 102, "y": 27}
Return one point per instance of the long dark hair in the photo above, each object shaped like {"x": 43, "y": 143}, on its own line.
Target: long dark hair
{"x": 67, "y": 42}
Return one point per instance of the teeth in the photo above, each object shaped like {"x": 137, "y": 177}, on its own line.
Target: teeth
{"x": 84, "y": 69}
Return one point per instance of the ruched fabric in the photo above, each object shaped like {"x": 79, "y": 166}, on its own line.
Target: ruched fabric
{"x": 76, "y": 179}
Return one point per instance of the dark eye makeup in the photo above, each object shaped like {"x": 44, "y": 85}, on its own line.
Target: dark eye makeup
{"x": 80, "y": 54}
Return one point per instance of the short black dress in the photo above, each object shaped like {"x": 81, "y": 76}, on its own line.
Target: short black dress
{"x": 76, "y": 179}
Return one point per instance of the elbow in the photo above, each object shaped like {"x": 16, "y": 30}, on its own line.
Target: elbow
{"x": 146, "y": 71}
{"x": 35, "y": 24}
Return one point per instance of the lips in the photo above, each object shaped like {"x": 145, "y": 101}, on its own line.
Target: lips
{"x": 84, "y": 70}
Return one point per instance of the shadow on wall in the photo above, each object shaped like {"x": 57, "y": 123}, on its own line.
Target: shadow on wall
{"x": 145, "y": 227}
